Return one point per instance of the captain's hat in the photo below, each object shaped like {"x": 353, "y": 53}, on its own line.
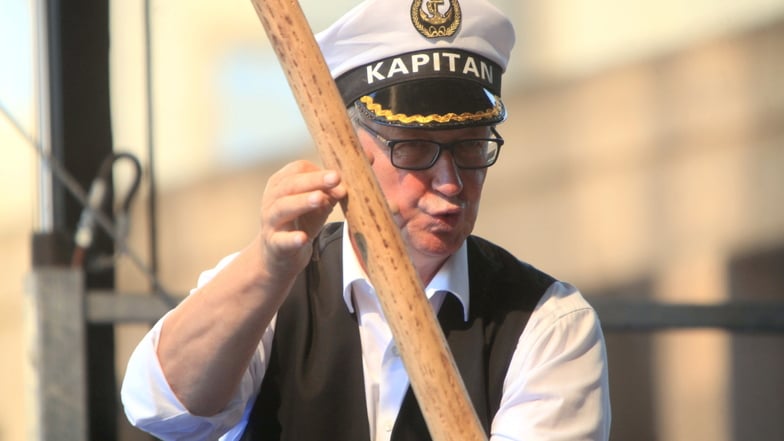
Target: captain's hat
{"x": 421, "y": 63}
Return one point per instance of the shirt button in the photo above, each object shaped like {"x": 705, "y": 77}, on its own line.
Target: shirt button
{"x": 395, "y": 351}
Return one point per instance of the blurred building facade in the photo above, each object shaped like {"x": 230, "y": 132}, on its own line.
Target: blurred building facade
{"x": 655, "y": 174}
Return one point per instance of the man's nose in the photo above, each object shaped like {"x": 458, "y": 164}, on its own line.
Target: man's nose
{"x": 446, "y": 175}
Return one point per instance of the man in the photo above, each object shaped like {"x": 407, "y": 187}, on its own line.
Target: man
{"x": 286, "y": 339}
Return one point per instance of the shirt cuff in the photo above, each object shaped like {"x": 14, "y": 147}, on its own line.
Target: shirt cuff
{"x": 151, "y": 405}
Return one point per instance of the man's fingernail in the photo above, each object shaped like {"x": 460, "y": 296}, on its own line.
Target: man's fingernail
{"x": 331, "y": 178}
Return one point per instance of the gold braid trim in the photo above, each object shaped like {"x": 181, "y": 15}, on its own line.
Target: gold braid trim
{"x": 434, "y": 117}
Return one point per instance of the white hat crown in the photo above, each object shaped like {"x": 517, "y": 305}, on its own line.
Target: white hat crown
{"x": 421, "y": 63}
{"x": 379, "y": 29}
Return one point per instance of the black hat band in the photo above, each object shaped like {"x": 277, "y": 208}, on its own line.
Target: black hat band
{"x": 433, "y": 63}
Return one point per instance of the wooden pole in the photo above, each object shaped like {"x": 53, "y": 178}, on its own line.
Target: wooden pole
{"x": 431, "y": 369}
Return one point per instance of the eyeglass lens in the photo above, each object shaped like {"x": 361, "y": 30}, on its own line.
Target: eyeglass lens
{"x": 421, "y": 154}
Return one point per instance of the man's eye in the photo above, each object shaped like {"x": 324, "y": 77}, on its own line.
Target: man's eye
{"x": 413, "y": 151}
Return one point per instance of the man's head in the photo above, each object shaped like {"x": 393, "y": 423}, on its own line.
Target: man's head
{"x": 422, "y": 82}
{"x": 433, "y": 64}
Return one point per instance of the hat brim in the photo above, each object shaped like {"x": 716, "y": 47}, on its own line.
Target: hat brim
{"x": 433, "y": 104}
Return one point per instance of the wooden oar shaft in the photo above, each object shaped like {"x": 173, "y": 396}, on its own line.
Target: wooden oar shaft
{"x": 439, "y": 389}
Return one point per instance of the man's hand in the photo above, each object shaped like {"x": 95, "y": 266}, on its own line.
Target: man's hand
{"x": 296, "y": 203}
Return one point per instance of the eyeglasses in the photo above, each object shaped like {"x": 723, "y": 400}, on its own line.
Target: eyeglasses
{"x": 421, "y": 154}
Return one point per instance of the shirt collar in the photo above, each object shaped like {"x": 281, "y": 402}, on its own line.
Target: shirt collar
{"x": 451, "y": 278}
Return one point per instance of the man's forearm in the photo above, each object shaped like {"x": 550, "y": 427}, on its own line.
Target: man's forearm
{"x": 207, "y": 342}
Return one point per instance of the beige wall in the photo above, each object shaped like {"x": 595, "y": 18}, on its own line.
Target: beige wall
{"x": 660, "y": 174}
{"x": 14, "y": 263}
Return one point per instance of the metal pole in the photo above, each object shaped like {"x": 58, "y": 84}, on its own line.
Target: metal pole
{"x": 56, "y": 368}
{"x": 45, "y": 218}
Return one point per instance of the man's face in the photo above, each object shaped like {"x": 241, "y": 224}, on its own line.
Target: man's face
{"x": 435, "y": 208}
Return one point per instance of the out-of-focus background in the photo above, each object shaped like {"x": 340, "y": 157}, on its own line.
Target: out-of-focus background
{"x": 644, "y": 160}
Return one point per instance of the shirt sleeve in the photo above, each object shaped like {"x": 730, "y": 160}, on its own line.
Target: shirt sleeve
{"x": 556, "y": 387}
{"x": 150, "y": 404}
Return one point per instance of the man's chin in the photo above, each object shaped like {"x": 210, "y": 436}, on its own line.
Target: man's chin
{"x": 439, "y": 244}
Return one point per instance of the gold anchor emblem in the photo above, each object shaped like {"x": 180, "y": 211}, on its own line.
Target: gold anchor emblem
{"x": 433, "y": 21}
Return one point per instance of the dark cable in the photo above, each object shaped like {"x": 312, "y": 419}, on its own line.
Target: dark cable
{"x": 85, "y": 231}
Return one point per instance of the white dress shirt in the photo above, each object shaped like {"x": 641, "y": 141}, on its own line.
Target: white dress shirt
{"x": 556, "y": 387}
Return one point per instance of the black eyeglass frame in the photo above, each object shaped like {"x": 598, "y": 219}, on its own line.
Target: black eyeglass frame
{"x": 449, "y": 146}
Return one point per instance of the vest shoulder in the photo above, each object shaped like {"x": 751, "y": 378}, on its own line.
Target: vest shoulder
{"x": 502, "y": 266}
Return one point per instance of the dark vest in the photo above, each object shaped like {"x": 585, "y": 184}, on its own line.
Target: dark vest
{"x": 313, "y": 388}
